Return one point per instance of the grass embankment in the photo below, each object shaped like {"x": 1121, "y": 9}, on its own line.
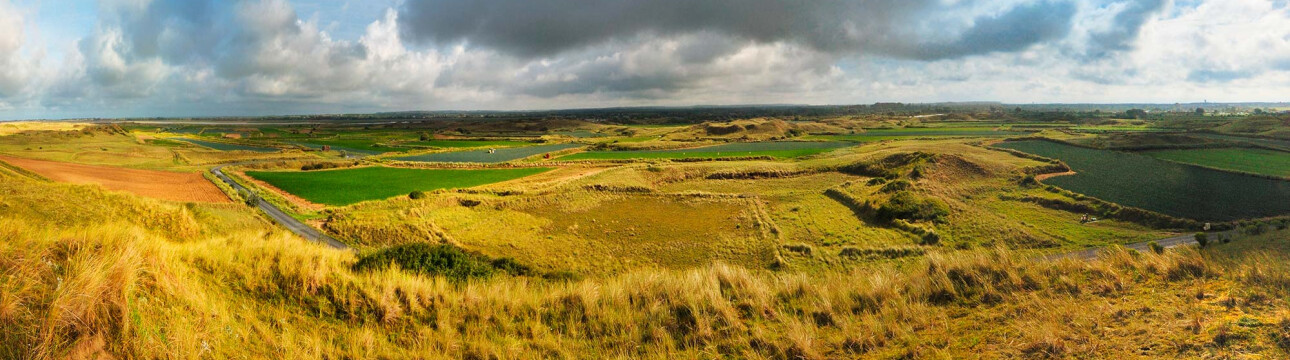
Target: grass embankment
{"x": 96, "y": 275}
{"x": 1161, "y": 186}
{"x": 348, "y": 186}
{"x": 1253, "y": 161}
{"x": 785, "y": 149}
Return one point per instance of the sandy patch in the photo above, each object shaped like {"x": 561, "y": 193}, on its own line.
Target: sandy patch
{"x": 165, "y": 185}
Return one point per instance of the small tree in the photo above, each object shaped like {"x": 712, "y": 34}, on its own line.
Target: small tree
{"x": 1156, "y": 248}
{"x": 425, "y": 136}
{"x": 1202, "y": 239}
{"x": 417, "y": 195}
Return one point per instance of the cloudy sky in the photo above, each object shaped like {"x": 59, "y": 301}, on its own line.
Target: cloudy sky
{"x": 118, "y": 58}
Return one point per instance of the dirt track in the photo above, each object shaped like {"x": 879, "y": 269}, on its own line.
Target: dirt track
{"x": 165, "y": 185}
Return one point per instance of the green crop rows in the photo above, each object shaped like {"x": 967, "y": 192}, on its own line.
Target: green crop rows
{"x": 1161, "y": 186}
{"x": 1255, "y": 161}
{"x": 348, "y": 186}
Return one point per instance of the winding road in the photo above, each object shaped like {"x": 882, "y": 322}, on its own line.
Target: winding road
{"x": 281, "y": 217}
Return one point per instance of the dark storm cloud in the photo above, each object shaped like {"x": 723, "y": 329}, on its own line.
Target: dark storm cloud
{"x": 536, "y": 28}
{"x": 1125, "y": 27}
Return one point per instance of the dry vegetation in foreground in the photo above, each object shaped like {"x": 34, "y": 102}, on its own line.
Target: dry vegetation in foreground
{"x": 88, "y": 274}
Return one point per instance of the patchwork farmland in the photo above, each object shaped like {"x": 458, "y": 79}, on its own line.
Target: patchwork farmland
{"x": 173, "y": 186}
{"x": 1156, "y": 185}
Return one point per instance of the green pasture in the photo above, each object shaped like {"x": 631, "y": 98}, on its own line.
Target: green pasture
{"x": 1254, "y": 161}
{"x": 348, "y": 186}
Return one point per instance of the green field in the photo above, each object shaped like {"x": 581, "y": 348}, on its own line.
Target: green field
{"x": 482, "y": 156}
{"x": 1273, "y": 143}
{"x": 928, "y": 132}
{"x": 1161, "y": 186}
{"x": 1254, "y": 161}
{"x": 466, "y": 143}
{"x": 348, "y": 186}
{"x": 785, "y": 149}
{"x": 226, "y": 146}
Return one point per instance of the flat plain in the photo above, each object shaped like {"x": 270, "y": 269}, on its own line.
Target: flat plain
{"x": 348, "y": 186}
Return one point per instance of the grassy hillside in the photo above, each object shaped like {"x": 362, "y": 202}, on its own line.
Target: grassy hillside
{"x": 217, "y": 282}
{"x": 782, "y": 149}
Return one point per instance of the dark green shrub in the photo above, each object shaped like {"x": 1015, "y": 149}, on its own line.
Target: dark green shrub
{"x": 1202, "y": 239}
{"x": 1156, "y": 248}
{"x": 439, "y": 260}
{"x": 896, "y": 185}
{"x": 417, "y": 195}
{"x": 905, "y": 206}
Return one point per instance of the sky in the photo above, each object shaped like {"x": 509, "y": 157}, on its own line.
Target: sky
{"x": 177, "y": 58}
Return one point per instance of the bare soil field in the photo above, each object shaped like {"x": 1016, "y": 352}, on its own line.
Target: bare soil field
{"x": 165, "y": 185}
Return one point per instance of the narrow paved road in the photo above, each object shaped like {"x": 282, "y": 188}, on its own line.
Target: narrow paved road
{"x": 300, "y": 228}
{"x": 1092, "y": 253}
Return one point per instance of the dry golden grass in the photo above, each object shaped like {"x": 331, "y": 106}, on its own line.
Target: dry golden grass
{"x": 82, "y": 278}
{"x": 10, "y": 128}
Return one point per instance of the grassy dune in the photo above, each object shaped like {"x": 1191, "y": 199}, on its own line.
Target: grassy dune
{"x": 783, "y": 149}
{"x": 209, "y": 282}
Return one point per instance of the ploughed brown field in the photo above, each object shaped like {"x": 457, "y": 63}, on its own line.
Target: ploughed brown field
{"x": 165, "y": 185}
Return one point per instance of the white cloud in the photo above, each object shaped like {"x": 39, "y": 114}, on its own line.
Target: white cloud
{"x": 14, "y": 67}
{"x": 198, "y": 57}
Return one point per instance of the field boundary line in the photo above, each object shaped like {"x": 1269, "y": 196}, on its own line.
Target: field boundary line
{"x": 281, "y": 217}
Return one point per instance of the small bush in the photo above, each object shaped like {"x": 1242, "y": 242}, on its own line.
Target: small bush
{"x": 905, "y": 206}
{"x": 417, "y": 195}
{"x": 1202, "y": 239}
{"x": 896, "y": 185}
{"x": 319, "y": 166}
{"x": 1156, "y": 248}
{"x": 799, "y": 248}
{"x": 440, "y": 260}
